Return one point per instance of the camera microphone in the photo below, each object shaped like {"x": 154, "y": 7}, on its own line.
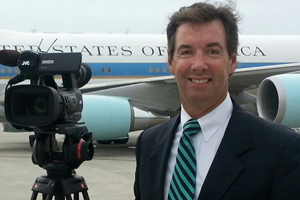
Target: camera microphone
{"x": 9, "y": 58}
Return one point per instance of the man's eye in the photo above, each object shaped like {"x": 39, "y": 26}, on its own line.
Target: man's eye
{"x": 214, "y": 52}
{"x": 188, "y": 52}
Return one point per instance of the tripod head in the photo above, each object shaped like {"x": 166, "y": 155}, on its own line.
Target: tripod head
{"x": 77, "y": 147}
{"x": 60, "y": 181}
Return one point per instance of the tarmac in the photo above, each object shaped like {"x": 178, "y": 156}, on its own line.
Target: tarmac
{"x": 109, "y": 175}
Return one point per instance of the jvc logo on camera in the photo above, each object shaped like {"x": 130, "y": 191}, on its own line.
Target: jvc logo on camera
{"x": 25, "y": 63}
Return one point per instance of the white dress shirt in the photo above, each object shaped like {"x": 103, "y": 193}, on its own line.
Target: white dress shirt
{"x": 206, "y": 143}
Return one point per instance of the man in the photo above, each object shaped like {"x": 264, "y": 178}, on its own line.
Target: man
{"x": 238, "y": 155}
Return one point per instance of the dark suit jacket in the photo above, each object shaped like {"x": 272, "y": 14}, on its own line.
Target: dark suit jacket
{"x": 256, "y": 160}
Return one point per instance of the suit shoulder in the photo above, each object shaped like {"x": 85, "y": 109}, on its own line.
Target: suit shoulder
{"x": 256, "y": 124}
{"x": 268, "y": 124}
{"x": 154, "y": 131}
{"x": 270, "y": 129}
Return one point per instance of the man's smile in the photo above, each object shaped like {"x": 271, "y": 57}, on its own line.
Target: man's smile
{"x": 199, "y": 81}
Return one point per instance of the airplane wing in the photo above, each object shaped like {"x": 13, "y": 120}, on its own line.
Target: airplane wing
{"x": 142, "y": 103}
{"x": 161, "y": 95}
{"x": 249, "y": 78}
{"x": 158, "y": 94}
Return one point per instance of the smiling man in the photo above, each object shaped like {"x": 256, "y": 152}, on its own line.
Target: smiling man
{"x": 213, "y": 149}
{"x": 201, "y": 65}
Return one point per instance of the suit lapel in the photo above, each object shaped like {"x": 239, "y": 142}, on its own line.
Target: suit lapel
{"x": 159, "y": 159}
{"x": 226, "y": 166}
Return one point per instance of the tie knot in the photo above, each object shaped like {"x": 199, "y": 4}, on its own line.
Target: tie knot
{"x": 191, "y": 127}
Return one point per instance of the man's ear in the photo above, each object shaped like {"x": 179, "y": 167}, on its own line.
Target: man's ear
{"x": 233, "y": 63}
{"x": 170, "y": 64}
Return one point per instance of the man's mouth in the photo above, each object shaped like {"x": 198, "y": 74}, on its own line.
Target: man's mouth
{"x": 199, "y": 81}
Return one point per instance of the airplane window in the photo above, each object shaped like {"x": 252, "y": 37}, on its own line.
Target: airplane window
{"x": 102, "y": 70}
{"x": 17, "y": 70}
{"x": 151, "y": 70}
{"x": 165, "y": 70}
{"x": 109, "y": 70}
{"x": 2, "y": 70}
{"x": 157, "y": 70}
{"x": 9, "y": 70}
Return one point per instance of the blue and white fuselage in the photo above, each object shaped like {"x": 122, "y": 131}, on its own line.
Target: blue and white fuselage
{"x": 140, "y": 56}
{"x": 151, "y": 93}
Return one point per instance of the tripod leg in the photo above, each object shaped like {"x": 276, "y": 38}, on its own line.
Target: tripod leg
{"x": 85, "y": 195}
{"x": 34, "y": 195}
{"x": 68, "y": 197}
{"x": 44, "y": 196}
{"x": 76, "y": 196}
{"x": 48, "y": 197}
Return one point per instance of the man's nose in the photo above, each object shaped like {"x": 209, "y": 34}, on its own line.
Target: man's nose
{"x": 199, "y": 62}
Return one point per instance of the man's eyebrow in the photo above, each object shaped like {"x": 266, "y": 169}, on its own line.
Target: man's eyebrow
{"x": 213, "y": 44}
{"x": 184, "y": 46}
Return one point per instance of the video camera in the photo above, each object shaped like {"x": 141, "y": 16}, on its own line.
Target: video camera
{"x": 42, "y": 102}
{"x": 47, "y": 109}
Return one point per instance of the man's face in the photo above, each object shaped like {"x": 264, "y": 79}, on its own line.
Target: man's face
{"x": 201, "y": 64}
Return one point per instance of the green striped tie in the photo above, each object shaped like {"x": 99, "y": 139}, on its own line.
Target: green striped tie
{"x": 184, "y": 177}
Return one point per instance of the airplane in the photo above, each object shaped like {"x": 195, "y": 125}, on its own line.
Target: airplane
{"x": 132, "y": 89}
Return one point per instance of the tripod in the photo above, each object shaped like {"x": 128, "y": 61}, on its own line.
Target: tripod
{"x": 61, "y": 186}
{"x": 60, "y": 182}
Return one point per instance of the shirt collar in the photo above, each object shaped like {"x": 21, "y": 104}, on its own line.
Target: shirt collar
{"x": 212, "y": 121}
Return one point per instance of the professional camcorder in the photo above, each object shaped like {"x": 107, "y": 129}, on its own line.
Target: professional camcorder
{"x": 47, "y": 109}
{"x": 42, "y": 102}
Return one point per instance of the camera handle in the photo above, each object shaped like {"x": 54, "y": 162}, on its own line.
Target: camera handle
{"x": 60, "y": 182}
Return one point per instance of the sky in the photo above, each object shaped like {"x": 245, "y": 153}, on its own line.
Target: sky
{"x": 275, "y": 17}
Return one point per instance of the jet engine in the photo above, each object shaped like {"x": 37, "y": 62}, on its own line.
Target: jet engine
{"x": 112, "y": 118}
{"x": 278, "y": 99}
{"x": 109, "y": 118}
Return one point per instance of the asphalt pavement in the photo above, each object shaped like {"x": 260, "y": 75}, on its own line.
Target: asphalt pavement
{"x": 109, "y": 175}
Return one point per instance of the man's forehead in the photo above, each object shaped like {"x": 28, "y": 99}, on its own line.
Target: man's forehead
{"x": 211, "y": 32}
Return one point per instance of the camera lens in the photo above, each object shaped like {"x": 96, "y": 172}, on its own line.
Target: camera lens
{"x": 36, "y": 105}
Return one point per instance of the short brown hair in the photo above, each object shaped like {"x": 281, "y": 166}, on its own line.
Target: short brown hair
{"x": 205, "y": 12}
